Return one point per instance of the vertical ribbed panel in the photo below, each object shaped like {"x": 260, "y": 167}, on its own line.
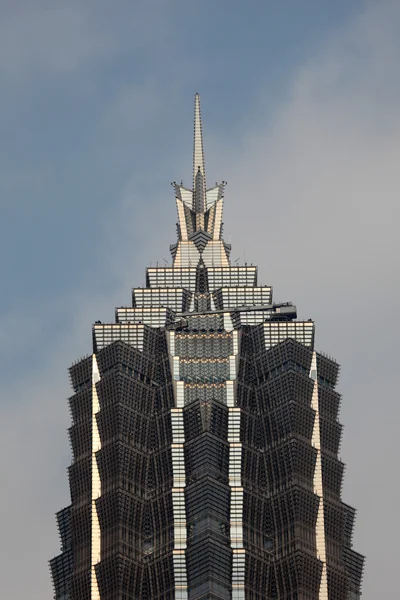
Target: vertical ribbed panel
{"x": 218, "y": 219}
{"x": 182, "y": 220}
{"x": 228, "y": 325}
{"x": 187, "y": 255}
{"x": 318, "y": 487}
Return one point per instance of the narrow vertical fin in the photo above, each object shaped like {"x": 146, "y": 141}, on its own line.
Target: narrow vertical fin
{"x": 199, "y": 172}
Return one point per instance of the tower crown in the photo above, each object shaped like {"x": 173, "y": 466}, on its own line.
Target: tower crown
{"x": 199, "y": 211}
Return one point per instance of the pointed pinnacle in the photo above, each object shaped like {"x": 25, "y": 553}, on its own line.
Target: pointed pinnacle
{"x": 198, "y": 156}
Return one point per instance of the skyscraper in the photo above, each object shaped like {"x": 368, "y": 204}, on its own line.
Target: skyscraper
{"x": 205, "y": 438}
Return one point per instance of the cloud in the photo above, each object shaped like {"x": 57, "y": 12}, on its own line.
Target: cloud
{"x": 135, "y": 108}
{"x": 62, "y": 39}
{"x": 59, "y": 39}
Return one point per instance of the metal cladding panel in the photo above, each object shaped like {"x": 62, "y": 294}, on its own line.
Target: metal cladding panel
{"x": 170, "y": 277}
{"x": 205, "y": 370}
{"x": 233, "y": 297}
{"x": 81, "y": 438}
{"x": 205, "y": 392}
{"x": 215, "y": 344}
{"x": 64, "y": 527}
{"x": 241, "y": 319}
{"x": 302, "y": 332}
{"x": 303, "y": 520}
{"x": 354, "y": 563}
{"x": 136, "y": 506}
{"x": 104, "y": 335}
{"x": 79, "y": 586}
{"x": 215, "y": 253}
{"x": 61, "y": 569}
{"x": 328, "y": 370}
{"x": 209, "y": 566}
{"x": 331, "y": 433}
{"x": 80, "y": 480}
{"x": 207, "y": 456}
{"x": 288, "y": 352}
{"x": 81, "y": 406}
{"x": 80, "y": 374}
{"x": 338, "y": 582}
{"x": 335, "y": 522}
{"x": 202, "y": 415}
{"x": 332, "y": 475}
{"x": 176, "y": 299}
{"x": 240, "y": 276}
{"x": 80, "y": 524}
{"x": 205, "y": 324}
{"x": 349, "y": 514}
{"x": 329, "y": 402}
{"x": 208, "y": 500}
{"x": 151, "y": 316}
{"x": 298, "y": 573}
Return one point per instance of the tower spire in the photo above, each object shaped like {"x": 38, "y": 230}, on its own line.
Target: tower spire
{"x": 199, "y": 172}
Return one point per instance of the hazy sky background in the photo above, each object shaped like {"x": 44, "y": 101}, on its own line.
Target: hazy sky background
{"x": 301, "y": 115}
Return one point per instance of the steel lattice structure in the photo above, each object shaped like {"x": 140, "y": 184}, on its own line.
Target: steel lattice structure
{"x": 205, "y": 438}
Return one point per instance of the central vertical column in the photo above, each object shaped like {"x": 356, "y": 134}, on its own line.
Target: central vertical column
{"x": 179, "y": 478}
{"x": 235, "y": 479}
{"x": 96, "y": 486}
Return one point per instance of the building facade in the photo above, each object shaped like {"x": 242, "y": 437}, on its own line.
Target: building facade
{"x": 205, "y": 438}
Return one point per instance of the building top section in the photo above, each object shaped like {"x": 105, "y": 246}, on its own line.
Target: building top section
{"x": 201, "y": 289}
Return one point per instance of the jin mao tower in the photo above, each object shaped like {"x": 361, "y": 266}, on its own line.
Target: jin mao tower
{"x": 205, "y": 438}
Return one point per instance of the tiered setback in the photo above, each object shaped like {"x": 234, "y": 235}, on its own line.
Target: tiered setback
{"x": 207, "y": 461}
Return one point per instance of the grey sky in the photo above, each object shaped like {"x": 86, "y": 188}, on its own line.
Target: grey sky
{"x": 301, "y": 117}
